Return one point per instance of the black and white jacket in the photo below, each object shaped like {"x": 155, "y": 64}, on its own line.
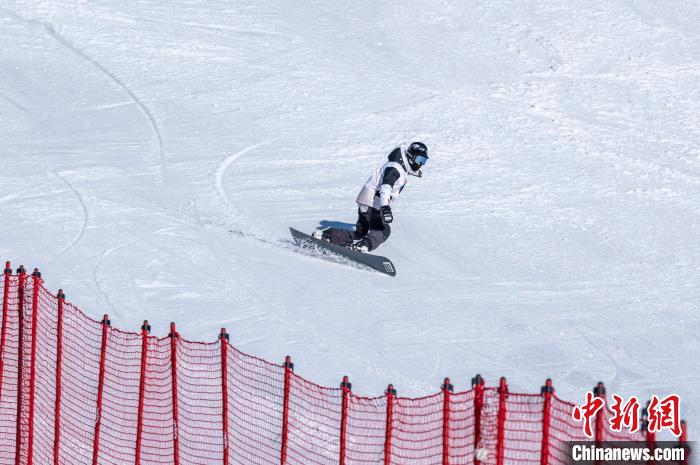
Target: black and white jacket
{"x": 386, "y": 183}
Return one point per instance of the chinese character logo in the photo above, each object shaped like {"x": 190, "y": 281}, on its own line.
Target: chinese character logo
{"x": 626, "y": 416}
{"x": 665, "y": 413}
{"x": 661, "y": 414}
{"x": 587, "y": 412}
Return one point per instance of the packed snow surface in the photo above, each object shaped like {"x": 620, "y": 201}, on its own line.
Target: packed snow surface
{"x": 153, "y": 155}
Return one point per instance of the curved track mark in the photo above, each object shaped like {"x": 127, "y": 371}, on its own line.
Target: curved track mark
{"x": 213, "y": 28}
{"x": 101, "y": 291}
{"x": 15, "y": 104}
{"x": 85, "y": 215}
{"x": 12, "y": 196}
{"x": 144, "y": 109}
{"x": 221, "y": 170}
{"x": 599, "y": 349}
{"x": 51, "y": 31}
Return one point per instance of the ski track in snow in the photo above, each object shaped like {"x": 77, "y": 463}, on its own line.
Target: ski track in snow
{"x": 224, "y": 166}
{"x": 100, "y": 289}
{"x": 213, "y": 29}
{"x": 142, "y": 106}
{"x": 50, "y": 30}
{"x": 84, "y": 209}
{"x": 15, "y": 104}
{"x": 615, "y": 367}
{"x": 13, "y": 196}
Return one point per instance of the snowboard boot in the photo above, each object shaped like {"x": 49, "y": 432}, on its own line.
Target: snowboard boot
{"x": 322, "y": 234}
{"x": 364, "y": 245}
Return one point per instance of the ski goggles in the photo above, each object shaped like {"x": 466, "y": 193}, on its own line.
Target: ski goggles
{"x": 421, "y": 160}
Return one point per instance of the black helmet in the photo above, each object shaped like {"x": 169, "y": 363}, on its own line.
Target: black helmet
{"x": 417, "y": 155}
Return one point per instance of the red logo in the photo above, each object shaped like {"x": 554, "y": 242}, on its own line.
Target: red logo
{"x": 665, "y": 413}
{"x": 661, "y": 414}
{"x": 587, "y": 411}
{"x": 625, "y": 415}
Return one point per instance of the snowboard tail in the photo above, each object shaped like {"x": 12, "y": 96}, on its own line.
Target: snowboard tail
{"x": 376, "y": 262}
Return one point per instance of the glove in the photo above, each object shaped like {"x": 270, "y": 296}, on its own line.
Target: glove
{"x": 385, "y": 212}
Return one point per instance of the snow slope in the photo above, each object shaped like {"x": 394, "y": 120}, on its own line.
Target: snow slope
{"x": 154, "y": 153}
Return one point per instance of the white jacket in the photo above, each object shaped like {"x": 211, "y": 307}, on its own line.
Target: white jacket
{"x": 386, "y": 183}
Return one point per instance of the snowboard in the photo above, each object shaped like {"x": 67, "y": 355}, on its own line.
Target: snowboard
{"x": 376, "y": 262}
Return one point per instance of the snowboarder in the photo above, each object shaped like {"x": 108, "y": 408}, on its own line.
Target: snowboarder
{"x": 375, "y": 200}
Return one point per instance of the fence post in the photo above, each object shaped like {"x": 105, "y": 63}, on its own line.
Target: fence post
{"x": 478, "y": 386}
{"x": 288, "y": 369}
{"x": 649, "y": 435}
{"x": 599, "y": 391}
{"x": 346, "y": 388}
{"x": 100, "y": 389}
{"x": 145, "y": 329}
{"x": 390, "y": 399}
{"x": 447, "y": 390}
{"x": 502, "y": 411}
{"x": 36, "y": 282}
{"x": 61, "y": 297}
{"x": 547, "y": 391}
{"x": 173, "y": 374}
{"x": 20, "y": 358}
{"x": 5, "y": 309}
{"x": 223, "y": 337}
{"x": 683, "y": 442}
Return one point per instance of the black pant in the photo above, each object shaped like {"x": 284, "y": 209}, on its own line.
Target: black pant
{"x": 368, "y": 224}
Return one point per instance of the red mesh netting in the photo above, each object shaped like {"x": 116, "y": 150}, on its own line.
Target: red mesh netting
{"x": 522, "y": 437}
{"x": 366, "y": 430}
{"x": 462, "y": 428}
{"x": 489, "y": 425}
{"x": 314, "y": 423}
{"x": 417, "y": 436}
{"x": 255, "y": 399}
{"x": 200, "y": 402}
{"x": 10, "y": 363}
{"x": 80, "y": 366}
{"x": 157, "y": 430}
{"x": 120, "y": 397}
{"x": 182, "y": 402}
{"x": 45, "y": 377}
{"x": 562, "y": 428}
{"x": 25, "y": 357}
